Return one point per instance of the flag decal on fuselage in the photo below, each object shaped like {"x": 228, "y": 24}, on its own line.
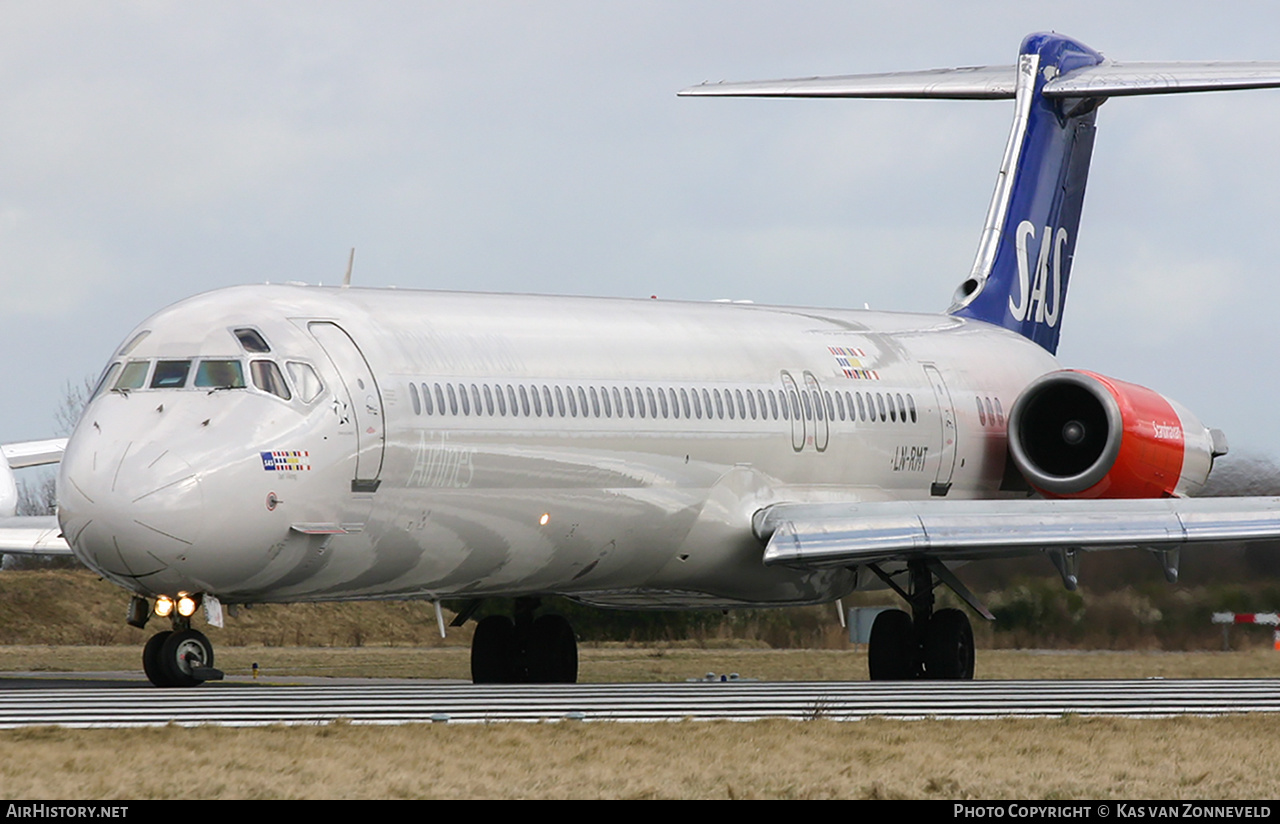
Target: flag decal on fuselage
{"x": 286, "y": 461}
{"x": 849, "y": 359}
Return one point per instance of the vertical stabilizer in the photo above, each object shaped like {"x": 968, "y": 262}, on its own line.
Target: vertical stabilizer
{"x": 1019, "y": 278}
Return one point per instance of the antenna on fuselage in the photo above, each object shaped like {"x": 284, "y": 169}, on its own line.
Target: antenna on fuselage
{"x": 351, "y": 261}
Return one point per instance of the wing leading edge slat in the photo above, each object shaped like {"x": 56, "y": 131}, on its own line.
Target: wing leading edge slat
{"x": 833, "y": 535}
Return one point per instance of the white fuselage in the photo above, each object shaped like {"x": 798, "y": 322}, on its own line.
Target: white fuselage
{"x": 421, "y": 465}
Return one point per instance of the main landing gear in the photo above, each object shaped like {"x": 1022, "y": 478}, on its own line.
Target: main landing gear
{"x": 527, "y": 650}
{"x": 925, "y": 644}
{"x": 181, "y": 657}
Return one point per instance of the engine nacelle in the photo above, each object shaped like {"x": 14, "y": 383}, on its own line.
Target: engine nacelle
{"x": 1077, "y": 434}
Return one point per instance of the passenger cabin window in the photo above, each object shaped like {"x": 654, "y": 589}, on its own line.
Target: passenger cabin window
{"x": 268, "y": 377}
{"x": 308, "y": 384}
{"x": 170, "y": 374}
{"x": 220, "y": 374}
{"x": 252, "y": 341}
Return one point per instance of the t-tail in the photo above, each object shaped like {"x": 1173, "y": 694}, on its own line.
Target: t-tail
{"x": 1020, "y": 274}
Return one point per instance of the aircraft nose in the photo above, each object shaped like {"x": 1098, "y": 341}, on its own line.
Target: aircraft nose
{"x": 129, "y": 509}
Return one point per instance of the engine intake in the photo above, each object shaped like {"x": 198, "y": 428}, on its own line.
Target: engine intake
{"x": 1076, "y": 434}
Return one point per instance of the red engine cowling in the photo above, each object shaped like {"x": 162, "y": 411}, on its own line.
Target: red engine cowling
{"x": 1077, "y": 434}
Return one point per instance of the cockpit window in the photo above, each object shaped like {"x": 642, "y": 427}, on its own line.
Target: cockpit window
{"x": 170, "y": 374}
{"x": 108, "y": 377}
{"x": 220, "y": 374}
{"x": 252, "y": 341}
{"x": 268, "y": 377}
{"x": 305, "y": 380}
{"x": 134, "y": 375}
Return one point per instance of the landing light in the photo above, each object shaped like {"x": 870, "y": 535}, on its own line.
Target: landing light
{"x": 164, "y": 606}
{"x": 186, "y": 606}
{"x": 546, "y": 516}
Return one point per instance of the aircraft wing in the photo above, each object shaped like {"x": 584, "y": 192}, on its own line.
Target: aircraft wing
{"x": 28, "y": 535}
{"x": 33, "y": 453}
{"x": 848, "y": 534}
{"x": 32, "y": 535}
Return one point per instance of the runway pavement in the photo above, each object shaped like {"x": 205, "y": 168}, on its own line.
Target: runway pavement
{"x": 120, "y": 700}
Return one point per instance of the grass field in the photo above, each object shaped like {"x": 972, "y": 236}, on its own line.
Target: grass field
{"x": 1066, "y": 758}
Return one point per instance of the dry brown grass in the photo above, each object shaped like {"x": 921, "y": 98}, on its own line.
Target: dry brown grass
{"x": 1068, "y": 758}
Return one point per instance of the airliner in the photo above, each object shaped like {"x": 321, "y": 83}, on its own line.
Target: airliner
{"x": 293, "y": 443}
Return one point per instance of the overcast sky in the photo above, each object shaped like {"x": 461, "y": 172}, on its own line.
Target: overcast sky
{"x": 153, "y": 150}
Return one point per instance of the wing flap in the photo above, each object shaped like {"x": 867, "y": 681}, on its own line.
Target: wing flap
{"x": 833, "y": 535}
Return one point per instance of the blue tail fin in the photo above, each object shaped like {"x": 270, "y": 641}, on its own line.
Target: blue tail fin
{"x": 1019, "y": 279}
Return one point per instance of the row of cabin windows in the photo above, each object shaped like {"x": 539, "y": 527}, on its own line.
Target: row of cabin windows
{"x": 608, "y": 402}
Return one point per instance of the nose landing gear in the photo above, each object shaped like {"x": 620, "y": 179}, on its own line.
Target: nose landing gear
{"x": 181, "y": 657}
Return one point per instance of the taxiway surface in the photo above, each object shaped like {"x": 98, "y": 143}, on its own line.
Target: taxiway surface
{"x": 120, "y": 700}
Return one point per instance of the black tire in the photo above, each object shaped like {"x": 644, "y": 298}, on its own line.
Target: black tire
{"x": 181, "y": 654}
{"x": 156, "y": 673}
{"x": 493, "y": 651}
{"x": 948, "y": 646}
{"x": 552, "y": 651}
{"x": 892, "y": 654}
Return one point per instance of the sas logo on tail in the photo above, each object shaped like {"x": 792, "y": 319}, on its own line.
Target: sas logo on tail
{"x": 1039, "y": 299}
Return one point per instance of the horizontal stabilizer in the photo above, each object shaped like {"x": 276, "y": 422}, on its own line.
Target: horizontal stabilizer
{"x": 1106, "y": 79}
{"x": 975, "y": 83}
{"x": 836, "y": 535}
{"x": 32, "y": 535}
{"x": 1121, "y": 79}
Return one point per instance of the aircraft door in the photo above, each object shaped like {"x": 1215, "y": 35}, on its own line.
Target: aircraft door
{"x": 365, "y": 401}
{"x": 821, "y": 424}
{"x": 947, "y": 422}
{"x": 791, "y": 397}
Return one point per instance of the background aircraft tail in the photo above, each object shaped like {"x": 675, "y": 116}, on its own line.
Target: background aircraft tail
{"x": 1019, "y": 276}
